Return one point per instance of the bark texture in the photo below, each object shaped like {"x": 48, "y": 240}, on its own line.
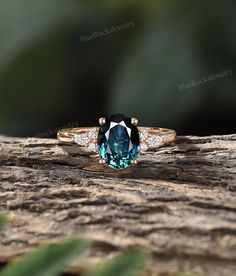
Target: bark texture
{"x": 179, "y": 202}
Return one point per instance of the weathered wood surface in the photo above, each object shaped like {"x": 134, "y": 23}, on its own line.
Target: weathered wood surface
{"x": 179, "y": 202}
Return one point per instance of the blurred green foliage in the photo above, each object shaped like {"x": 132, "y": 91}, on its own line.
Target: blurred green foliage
{"x": 48, "y": 260}
{"x": 51, "y": 260}
{"x": 126, "y": 264}
{"x": 49, "y": 78}
{"x": 187, "y": 41}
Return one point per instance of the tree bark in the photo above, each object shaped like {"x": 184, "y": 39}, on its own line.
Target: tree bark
{"x": 179, "y": 202}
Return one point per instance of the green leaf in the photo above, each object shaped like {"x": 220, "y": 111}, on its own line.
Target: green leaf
{"x": 126, "y": 264}
{"x": 48, "y": 260}
{"x": 2, "y": 222}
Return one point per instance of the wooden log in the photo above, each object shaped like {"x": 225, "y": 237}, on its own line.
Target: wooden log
{"x": 179, "y": 202}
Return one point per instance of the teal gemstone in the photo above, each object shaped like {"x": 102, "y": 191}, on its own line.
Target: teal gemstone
{"x": 118, "y": 141}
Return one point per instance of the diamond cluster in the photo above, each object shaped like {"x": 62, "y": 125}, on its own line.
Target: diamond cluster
{"x": 148, "y": 140}
{"x": 88, "y": 139}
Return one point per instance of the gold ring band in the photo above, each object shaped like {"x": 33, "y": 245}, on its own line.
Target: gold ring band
{"x": 118, "y": 140}
{"x": 167, "y": 135}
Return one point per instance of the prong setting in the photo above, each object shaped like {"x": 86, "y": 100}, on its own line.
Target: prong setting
{"x": 134, "y": 121}
{"x": 101, "y": 161}
{"x": 102, "y": 121}
{"x": 134, "y": 162}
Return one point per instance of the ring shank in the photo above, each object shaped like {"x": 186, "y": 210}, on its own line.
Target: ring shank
{"x": 167, "y": 135}
{"x": 67, "y": 134}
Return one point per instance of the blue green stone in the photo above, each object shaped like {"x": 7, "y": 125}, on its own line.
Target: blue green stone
{"x": 118, "y": 141}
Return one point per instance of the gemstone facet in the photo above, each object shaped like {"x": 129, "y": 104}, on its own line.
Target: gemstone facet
{"x": 118, "y": 141}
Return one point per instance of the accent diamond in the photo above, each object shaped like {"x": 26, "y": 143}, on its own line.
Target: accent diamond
{"x": 148, "y": 140}
{"x": 81, "y": 139}
{"x": 88, "y": 139}
{"x": 154, "y": 140}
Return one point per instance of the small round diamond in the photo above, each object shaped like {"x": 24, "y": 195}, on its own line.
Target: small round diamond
{"x": 88, "y": 139}
{"x": 154, "y": 140}
{"x": 93, "y": 146}
{"x": 93, "y": 133}
{"x": 143, "y": 134}
{"x": 143, "y": 146}
{"x": 81, "y": 139}
{"x": 149, "y": 140}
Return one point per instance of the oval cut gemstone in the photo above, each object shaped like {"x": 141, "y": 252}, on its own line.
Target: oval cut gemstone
{"x": 118, "y": 141}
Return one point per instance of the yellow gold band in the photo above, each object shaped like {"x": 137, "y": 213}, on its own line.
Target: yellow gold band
{"x": 150, "y": 137}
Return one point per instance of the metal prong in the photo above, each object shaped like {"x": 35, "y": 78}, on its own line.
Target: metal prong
{"x": 101, "y": 161}
{"x": 102, "y": 121}
{"x": 134, "y": 162}
{"x": 134, "y": 121}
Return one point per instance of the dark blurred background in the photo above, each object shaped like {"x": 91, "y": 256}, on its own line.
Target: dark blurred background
{"x": 169, "y": 63}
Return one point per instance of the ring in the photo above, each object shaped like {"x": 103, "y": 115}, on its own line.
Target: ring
{"x": 118, "y": 140}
